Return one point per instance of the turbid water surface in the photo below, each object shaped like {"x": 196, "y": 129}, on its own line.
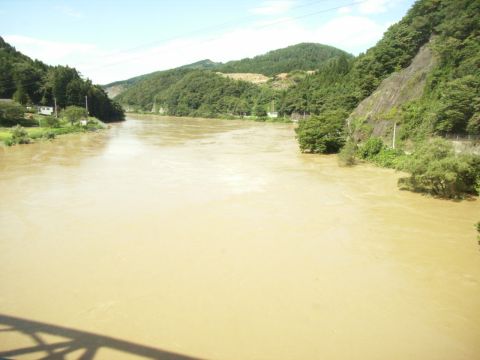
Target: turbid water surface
{"x": 165, "y": 238}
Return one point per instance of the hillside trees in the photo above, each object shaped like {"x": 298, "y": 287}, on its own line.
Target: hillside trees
{"x": 304, "y": 56}
{"x": 450, "y": 103}
{"x": 32, "y": 82}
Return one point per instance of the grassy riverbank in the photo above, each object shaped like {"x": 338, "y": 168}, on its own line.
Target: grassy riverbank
{"x": 39, "y": 131}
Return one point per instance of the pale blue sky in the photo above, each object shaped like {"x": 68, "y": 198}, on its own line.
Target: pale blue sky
{"x": 113, "y": 40}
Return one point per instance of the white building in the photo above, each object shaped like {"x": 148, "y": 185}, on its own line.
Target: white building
{"x": 45, "y": 110}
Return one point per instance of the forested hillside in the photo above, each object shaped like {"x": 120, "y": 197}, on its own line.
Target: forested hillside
{"x": 120, "y": 86}
{"x": 142, "y": 92}
{"x": 450, "y": 102}
{"x": 31, "y": 82}
{"x": 305, "y": 56}
{"x": 188, "y": 92}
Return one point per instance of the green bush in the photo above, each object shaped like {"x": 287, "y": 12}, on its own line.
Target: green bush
{"x": 49, "y": 121}
{"x": 348, "y": 153}
{"x": 20, "y": 135}
{"x": 49, "y": 135}
{"x": 370, "y": 148}
{"x": 437, "y": 170}
{"x": 389, "y": 158}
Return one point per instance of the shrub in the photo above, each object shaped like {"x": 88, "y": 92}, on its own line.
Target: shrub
{"x": 437, "y": 170}
{"x": 50, "y": 121}
{"x": 389, "y": 158}
{"x": 19, "y": 135}
{"x": 347, "y": 155}
{"x": 49, "y": 135}
{"x": 370, "y": 148}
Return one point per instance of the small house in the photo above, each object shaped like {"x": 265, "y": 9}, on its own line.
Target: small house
{"x": 45, "y": 110}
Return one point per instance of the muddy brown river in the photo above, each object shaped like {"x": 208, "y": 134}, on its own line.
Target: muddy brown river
{"x": 173, "y": 238}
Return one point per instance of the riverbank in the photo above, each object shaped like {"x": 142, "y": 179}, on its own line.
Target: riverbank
{"x": 284, "y": 120}
{"x": 26, "y": 135}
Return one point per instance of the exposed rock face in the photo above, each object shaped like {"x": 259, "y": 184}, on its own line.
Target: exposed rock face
{"x": 378, "y": 110}
{"x": 114, "y": 90}
{"x": 248, "y": 77}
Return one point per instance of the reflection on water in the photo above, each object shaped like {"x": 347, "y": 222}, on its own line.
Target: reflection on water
{"x": 217, "y": 239}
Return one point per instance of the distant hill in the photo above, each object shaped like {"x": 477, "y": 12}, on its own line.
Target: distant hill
{"x": 139, "y": 92}
{"x": 206, "y": 64}
{"x": 117, "y": 87}
{"x": 194, "y": 92}
{"x": 304, "y": 56}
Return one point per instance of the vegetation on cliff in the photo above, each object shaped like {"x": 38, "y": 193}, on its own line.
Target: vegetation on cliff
{"x": 449, "y": 103}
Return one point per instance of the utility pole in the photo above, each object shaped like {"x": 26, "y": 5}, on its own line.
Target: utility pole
{"x": 86, "y": 103}
{"x": 394, "y": 134}
{"x": 55, "y": 102}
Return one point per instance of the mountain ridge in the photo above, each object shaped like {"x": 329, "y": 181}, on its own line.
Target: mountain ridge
{"x": 302, "y": 56}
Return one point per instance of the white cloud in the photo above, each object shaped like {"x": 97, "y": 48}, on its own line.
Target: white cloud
{"x": 51, "y": 52}
{"x": 374, "y": 6}
{"x": 273, "y": 7}
{"x": 351, "y": 33}
{"x": 345, "y": 10}
{"x": 69, "y": 11}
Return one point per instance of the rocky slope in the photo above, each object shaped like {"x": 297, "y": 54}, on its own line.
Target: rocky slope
{"x": 377, "y": 113}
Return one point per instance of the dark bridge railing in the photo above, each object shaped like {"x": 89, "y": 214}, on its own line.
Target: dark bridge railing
{"x": 77, "y": 340}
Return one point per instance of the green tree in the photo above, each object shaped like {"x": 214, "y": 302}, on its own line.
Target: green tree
{"x": 74, "y": 113}
{"x": 323, "y": 133}
{"x": 58, "y": 79}
{"x": 458, "y": 101}
{"x": 259, "y": 110}
{"x": 27, "y": 80}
